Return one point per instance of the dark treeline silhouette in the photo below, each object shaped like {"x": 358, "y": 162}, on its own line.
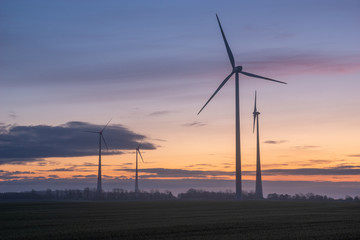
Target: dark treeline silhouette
{"x": 87, "y": 194}
{"x": 123, "y": 195}
{"x": 195, "y": 194}
{"x": 308, "y": 197}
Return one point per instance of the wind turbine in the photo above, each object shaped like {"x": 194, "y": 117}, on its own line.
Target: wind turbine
{"x": 136, "y": 172}
{"x": 236, "y": 70}
{"x": 101, "y": 137}
{"x": 258, "y": 186}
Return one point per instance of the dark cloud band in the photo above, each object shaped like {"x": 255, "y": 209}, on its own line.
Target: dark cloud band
{"x": 19, "y": 144}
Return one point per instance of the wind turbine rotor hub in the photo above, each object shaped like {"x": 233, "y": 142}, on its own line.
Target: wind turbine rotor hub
{"x": 238, "y": 69}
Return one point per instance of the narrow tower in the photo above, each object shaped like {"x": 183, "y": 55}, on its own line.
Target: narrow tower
{"x": 136, "y": 173}
{"x": 101, "y": 137}
{"x": 99, "y": 189}
{"x": 258, "y": 188}
{"x": 138, "y": 153}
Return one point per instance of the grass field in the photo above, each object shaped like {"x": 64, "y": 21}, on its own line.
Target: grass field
{"x": 180, "y": 220}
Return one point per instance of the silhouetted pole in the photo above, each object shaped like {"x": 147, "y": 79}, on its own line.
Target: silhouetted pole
{"x": 136, "y": 175}
{"x": 99, "y": 190}
{"x": 258, "y": 188}
{"x": 238, "y": 149}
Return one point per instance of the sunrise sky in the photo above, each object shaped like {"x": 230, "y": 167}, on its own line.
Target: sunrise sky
{"x": 67, "y": 67}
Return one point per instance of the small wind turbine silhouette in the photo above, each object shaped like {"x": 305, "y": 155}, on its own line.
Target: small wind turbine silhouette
{"x": 258, "y": 186}
{"x": 236, "y": 70}
{"x": 101, "y": 137}
{"x": 136, "y": 172}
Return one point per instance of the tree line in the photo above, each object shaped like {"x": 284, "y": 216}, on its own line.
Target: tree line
{"x": 117, "y": 194}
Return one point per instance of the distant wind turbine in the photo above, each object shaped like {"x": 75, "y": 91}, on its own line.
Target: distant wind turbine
{"x": 136, "y": 172}
{"x": 101, "y": 137}
{"x": 258, "y": 186}
{"x": 236, "y": 70}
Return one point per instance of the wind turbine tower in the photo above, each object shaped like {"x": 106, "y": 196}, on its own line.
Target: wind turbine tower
{"x": 101, "y": 138}
{"x": 235, "y": 70}
{"x": 138, "y": 153}
{"x": 258, "y": 187}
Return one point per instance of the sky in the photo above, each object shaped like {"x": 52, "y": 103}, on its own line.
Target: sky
{"x": 149, "y": 66}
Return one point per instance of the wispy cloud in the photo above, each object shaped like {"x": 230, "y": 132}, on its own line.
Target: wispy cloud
{"x": 19, "y": 144}
{"x": 200, "y": 165}
{"x": 85, "y": 176}
{"x": 194, "y": 124}
{"x": 275, "y": 142}
{"x": 21, "y": 161}
{"x": 13, "y": 115}
{"x": 72, "y": 169}
{"x": 306, "y": 147}
{"x": 11, "y": 175}
{"x": 341, "y": 170}
{"x": 292, "y": 61}
{"x": 354, "y": 155}
{"x": 87, "y": 164}
{"x": 320, "y": 161}
{"x": 53, "y": 176}
{"x": 178, "y": 173}
{"x": 159, "y": 113}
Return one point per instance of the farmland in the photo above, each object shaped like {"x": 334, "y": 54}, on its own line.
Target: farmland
{"x": 180, "y": 220}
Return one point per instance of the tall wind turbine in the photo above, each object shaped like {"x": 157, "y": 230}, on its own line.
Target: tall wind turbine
{"x": 258, "y": 186}
{"x": 236, "y": 70}
{"x": 101, "y": 138}
{"x": 136, "y": 172}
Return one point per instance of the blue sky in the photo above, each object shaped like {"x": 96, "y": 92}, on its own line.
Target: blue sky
{"x": 151, "y": 65}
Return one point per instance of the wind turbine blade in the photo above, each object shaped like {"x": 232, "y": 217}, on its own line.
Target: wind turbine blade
{"x": 231, "y": 56}
{"x": 257, "y": 76}
{"x": 141, "y": 156}
{"x": 221, "y": 85}
{"x": 106, "y": 125}
{"x": 91, "y": 131}
{"x": 104, "y": 142}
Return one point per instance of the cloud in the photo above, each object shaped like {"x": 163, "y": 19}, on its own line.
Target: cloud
{"x": 178, "y": 173}
{"x": 340, "y": 170}
{"x": 306, "y": 147}
{"x": 13, "y": 115}
{"x": 87, "y": 164}
{"x": 53, "y": 176}
{"x": 126, "y": 164}
{"x": 274, "y": 165}
{"x": 159, "y": 139}
{"x": 194, "y": 124}
{"x": 71, "y": 169}
{"x": 19, "y": 144}
{"x": 8, "y": 175}
{"x": 183, "y": 173}
{"x": 159, "y": 113}
{"x": 347, "y": 166}
{"x": 354, "y": 155}
{"x": 292, "y": 61}
{"x": 85, "y": 176}
{"x": 319, "y": 161}
{"x": 274, "y": 142}
{"x": 20, "y": 161}
{"x": 200, "y": 165}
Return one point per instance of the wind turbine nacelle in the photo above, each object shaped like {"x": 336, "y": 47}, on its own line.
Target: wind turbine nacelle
{"x": 238, "y": 69}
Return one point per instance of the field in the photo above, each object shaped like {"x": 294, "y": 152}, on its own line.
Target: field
{"x": 180, "y": 220}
